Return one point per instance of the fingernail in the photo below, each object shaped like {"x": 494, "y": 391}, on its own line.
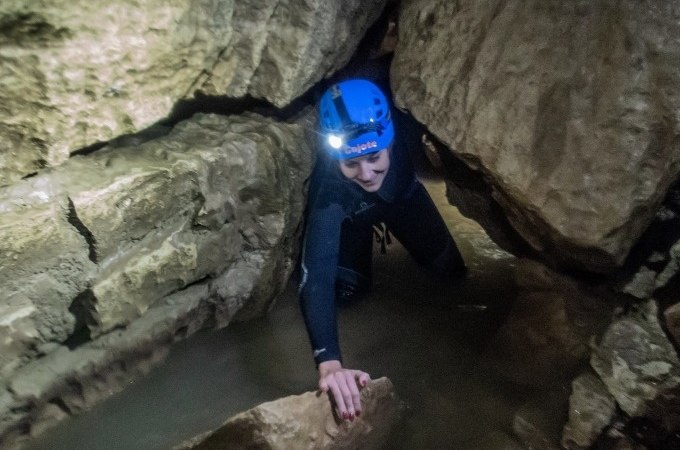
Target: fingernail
{"x": 358, "y": 413}
{"x": 345, "y": 415}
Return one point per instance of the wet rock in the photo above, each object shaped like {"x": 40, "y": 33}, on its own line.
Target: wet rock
{"x": 307, "y": 422}
{"x": 567, "y": 108}
{"x": 66, "y": 83}
{"x": 67, "y": 382}
{"x": 672, "y": 316}
{"x": 672, "y": 269}
{"x": 642, "y": 283}
{"x": 194, "y": 229}
{"x": 636, "y": 361}
{"x": 659, "y": 272}
{"x": 591, "y": 409}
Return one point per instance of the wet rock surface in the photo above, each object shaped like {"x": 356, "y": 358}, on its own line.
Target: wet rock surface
{"x": 636, "y": 361}
{"x": 554, "y": 315}
{"x": 591, "y": 409}
{"x": 307, "y": 421}
{"x": 128, "y": 249}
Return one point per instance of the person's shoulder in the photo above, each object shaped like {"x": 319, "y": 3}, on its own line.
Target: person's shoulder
{"x": 330, "y": 189}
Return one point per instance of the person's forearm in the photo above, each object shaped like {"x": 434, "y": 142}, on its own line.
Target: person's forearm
{"x": 318, "y": 310}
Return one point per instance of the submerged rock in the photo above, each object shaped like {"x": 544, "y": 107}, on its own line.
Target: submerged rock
{"x": 591, "y": 409}
{"x": 307, "y": 421}
{"x": 547, "y": 333}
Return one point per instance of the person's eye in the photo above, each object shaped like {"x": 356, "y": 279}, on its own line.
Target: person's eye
{"x": 351, "y": 165}
{"x": 373, "y": 159}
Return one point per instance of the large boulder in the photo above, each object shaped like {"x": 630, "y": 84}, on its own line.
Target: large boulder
{"x": 307, "y": 421}
{"x": 77, "y": 73}
{"x": 114, "y": 255}
{"x": 568, "y": 109}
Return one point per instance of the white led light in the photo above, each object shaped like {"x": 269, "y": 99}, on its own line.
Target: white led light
{"x": 334, "y": 141}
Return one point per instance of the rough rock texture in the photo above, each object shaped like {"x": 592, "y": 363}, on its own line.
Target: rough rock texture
{"x": 307, "y": 421}
{"x": 637, "y": 363}
{"x": 655, "y": 259}
{"x": 44, "y": 266}
{"x": 138, "y": 246}
{"x": 591, "y": 409}
{"x": 77, "y": 73}
{"x": 568, "y": 108}
{"x": 672, "y": 316}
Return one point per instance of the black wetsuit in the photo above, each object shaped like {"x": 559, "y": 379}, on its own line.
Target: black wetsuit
{"x": 338, "y": 240}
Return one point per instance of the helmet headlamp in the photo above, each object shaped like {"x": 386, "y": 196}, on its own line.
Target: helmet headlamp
{"x": 353, "y": 131}
{"x": 335, "y": 141}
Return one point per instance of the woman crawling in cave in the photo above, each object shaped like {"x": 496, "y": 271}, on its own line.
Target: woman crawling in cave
{"x": 362, "y": 180}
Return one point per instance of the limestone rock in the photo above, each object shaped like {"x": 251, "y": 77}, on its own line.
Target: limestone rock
{"x": 307, "y": 422}
{"x": 672, "y": 270}
{"x": 591, "y": 409}
{"x": 281, "y": 48}
{"x": 655, "y": 259}
{"x": 672, "y": 316}
{"x": 568, "y": 108}
{"x": 636, "y": 361}
{"x": 99, "y": 241}
{"x": 44, "y": 266}
{"x": 78, "y": 73}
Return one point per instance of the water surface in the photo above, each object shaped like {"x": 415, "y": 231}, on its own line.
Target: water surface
{"x": 411, "y": 329}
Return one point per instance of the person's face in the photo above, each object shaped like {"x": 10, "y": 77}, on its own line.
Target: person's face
{"x": 367, "y": 171}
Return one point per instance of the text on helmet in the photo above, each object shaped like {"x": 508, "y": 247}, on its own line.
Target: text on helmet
{"x": 360, "y": 148}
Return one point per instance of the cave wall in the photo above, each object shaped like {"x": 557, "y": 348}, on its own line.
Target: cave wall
{"x": 73, "y": 75}
{"x": 122, "y": 231}
{"x": 564, "y": 115}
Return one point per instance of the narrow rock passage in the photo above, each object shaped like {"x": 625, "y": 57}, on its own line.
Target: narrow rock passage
{"x": 409, "y": 329}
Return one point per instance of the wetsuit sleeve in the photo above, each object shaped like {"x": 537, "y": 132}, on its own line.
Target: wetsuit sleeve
{"x": 317, "y": 288}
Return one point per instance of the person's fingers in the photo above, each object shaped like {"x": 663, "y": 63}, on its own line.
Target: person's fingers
{"x": 354, "y": 391}
{"x": 323, "y": 385}
{"x": 345, "y": 387}
{"x": 338, "y": 397}
{"x": 362, "y": 378}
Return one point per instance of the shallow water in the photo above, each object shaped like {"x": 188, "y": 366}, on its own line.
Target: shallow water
{"x": 410, "y": 329}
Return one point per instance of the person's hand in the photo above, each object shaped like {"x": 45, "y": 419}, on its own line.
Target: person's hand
{"x": 344, "y": 385}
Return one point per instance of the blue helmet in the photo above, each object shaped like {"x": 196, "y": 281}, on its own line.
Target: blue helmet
{"x": 355, "y": 119}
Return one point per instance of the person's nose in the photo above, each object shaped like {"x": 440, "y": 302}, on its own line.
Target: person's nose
{"x": 365, "y": 172}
